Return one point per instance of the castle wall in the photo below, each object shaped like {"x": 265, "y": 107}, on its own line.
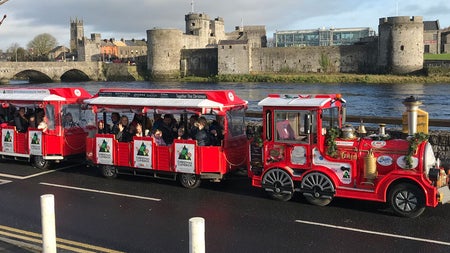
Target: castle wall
{"x": 345, "y": 59}
{"x": 199, "y": 62}
{"x": 233, "y": 58}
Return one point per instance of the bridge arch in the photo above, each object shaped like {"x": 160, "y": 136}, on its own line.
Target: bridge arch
{"x": 33, "y": 76}
{"x": 74, "y": 75}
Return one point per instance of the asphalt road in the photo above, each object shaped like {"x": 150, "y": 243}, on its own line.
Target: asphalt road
{"x": 131, "y": 214}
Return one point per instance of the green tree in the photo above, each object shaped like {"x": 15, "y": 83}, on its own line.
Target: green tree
{"x": 41, "y": 45}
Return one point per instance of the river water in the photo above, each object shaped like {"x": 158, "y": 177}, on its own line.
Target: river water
{"x": 362, "y": 99}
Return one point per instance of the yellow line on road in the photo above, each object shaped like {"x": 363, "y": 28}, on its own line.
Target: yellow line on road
{"x": 61, "y": 243}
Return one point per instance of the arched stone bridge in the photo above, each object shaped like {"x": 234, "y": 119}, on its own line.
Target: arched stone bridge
{"x": 51, "y": 71}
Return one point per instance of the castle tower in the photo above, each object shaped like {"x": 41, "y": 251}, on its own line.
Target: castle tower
{"x": 76, "y": 33}
{"x": 164, "y": 52}
{"x": 198, "y": 24}
{"x": 400, "y": 48}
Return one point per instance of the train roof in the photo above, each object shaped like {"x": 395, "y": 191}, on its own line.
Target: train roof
{"x": 220, "y": 100}
{"x": 302, "y": 100}
{"x": 43, "y": 94}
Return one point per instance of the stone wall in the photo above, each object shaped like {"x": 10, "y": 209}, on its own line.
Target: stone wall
{"x": 347, "y": 59}
{"x": 199, "y": 62}
{"x": 441, "y": 146}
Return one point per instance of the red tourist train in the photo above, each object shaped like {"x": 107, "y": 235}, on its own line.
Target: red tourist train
{"x": 42, "y": 125}
{"x": 303, "y": 145}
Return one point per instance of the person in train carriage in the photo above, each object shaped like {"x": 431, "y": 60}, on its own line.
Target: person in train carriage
{"x": 158, "y": 136}
{"x": 115, "y": 120}
{"x": 157, "y": 121}
{"x": 43, "y": 124}
{"x": 202, "y": 136}
{"x": 169, "y": 131}
{"x": 139, "y": 130}
{"x": 68, "y": 121}
{"x": 21, "y": 120}
{"x": 216, "y": 130}
{"x": 192, "y": 126}
{"x": 32, "y": 121}
{"x": 124, "y": 134}
{"x": 182, "y": 134}
{"x": 102, "y": 128}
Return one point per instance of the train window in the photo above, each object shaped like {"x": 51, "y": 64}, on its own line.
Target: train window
{"x": 330, "y": 118}
{"x": 236, "y": 122}
{"x": 292, "y": 125}
{"x": 50, "y": 115}
{"x": 71, "y": 115}
{"x": 268, "y": 125}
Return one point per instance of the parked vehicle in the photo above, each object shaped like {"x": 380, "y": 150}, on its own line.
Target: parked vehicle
{"x": 35, "y": 124}
{"x": 183, "y": 157}
{"x": 305, "y": 147}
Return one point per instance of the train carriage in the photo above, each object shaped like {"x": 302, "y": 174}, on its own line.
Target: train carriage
{"x": 42, "y": 125}
{"x": 184, "y": 158}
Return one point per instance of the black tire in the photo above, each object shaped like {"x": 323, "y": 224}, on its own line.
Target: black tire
{"x": 278, "y": 184}
{"x": 189, "y": 181}
{"x": 407, "y": 200}
{"x": 108, "y": 171}
{"x": 318, "y": 189}
{"x": 39, "y": 162}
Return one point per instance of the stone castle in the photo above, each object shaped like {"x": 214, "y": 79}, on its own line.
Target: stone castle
{"x": 204, "y": 49}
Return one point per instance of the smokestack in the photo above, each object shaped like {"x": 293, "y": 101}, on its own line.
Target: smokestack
{"x": 412, "y": 105}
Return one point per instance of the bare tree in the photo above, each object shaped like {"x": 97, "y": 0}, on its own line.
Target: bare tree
{"x": 41, "y": 45}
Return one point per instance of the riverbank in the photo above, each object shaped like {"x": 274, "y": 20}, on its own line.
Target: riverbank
{"x": 324, "y": 78}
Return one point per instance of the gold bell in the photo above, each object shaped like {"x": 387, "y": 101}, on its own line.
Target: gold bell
{"x": 362, "y": 128}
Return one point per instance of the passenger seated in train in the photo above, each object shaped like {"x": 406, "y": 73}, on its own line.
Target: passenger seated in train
{"x": 68, "y": 121}
{"x": 158, "y": 136}
{"x": 115, "y": 120}
{"x": 216, "y": 130}
{"x": 139, "y": 130}
{"x": 168, "y": 129}
{"x": 43, "y": 124}
{"x": 125, "y": 133}
{"x": 192, "y": 126}
{"x": 102, "y": 128}
{"x": 21, "y": 121}
{"x": 202, "y": 136}
{"x": 182, "y": 134}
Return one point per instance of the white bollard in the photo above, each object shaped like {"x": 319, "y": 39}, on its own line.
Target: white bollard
{"x": 48, "y": 223}
{"x": 197, "y": 235}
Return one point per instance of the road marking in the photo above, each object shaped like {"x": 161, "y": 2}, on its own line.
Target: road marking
{"x": 374, "y": 232}
{"x": 4, "y": 181}
{"x": 37, "y": 174}
{"x": 34, "y": 240}
{"x": 99, "y": 191}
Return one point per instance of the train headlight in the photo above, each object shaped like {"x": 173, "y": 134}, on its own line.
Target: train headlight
{"x": 429, "y": 160}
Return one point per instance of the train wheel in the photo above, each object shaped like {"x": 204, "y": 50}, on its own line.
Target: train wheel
{"x": 40, "y": 163}
{"x": 278, "y": 184}
{"x": 189, "y": 181}
{"x": 108, "y": 171}
{"x": 317, "y": 189}
{"x": 407, "y": 200}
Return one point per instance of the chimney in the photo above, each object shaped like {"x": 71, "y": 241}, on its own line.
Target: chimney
{"x": 412, "y": 105}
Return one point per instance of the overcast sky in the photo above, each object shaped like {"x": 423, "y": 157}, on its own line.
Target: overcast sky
{"x": 131, "y": 18}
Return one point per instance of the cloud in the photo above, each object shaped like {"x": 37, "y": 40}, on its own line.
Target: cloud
{"x": 131, "y": 19}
